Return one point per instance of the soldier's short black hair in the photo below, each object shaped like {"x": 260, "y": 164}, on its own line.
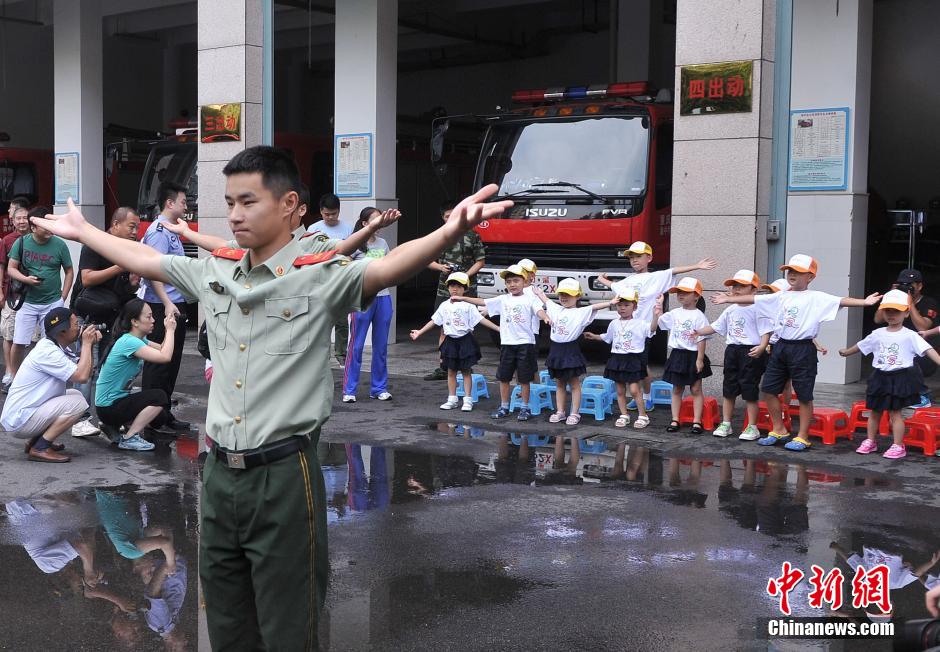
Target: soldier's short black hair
{"x": 278, "y": 171}
{"x": 329, "y": 201}
{"x": 168, "y": 190}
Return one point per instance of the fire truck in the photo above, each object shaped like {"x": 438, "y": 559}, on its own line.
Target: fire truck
{"x": 590, "y": 171}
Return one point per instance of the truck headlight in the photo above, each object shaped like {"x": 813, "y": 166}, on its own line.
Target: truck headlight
{"x": 597, "y": 286}
{"x": 486, "y": 278}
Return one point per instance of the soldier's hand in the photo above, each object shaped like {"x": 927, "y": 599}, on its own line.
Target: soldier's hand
{"x": 474, "y": 209}
{"x": 181, "y": 227}
{"x": 69, "y": 226}
{"x": 381, "y": 220}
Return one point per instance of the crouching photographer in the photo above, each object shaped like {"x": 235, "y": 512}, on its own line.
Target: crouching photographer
{"x": 117, "y": 407}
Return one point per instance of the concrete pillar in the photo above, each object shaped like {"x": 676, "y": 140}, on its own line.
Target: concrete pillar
{"x": 721, "y": 177}
{"x": 632, "y": 57}
{"x": 366, "y": 100}
{"x": 832, "y": 68}
{"x": 79, "y": 121}
{"x": 229, "y": 54}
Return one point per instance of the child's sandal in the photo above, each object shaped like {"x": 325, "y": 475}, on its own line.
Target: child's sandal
{"x": 641, "y": 422}
{"x": 673, "y": 426}
{"x": 573, "y": 419}
{"x": 697, "y": 428}
{"x": 622, "y": 421}
{"x": 557, "y": 417}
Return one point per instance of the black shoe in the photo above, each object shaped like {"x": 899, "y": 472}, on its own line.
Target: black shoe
{"x": 161, "y": 433}
{"x": 112, "y": 433}
{"x": 177, "y": 425}
{"x": 437, "y": 374}
{"x": 165, "y": 429}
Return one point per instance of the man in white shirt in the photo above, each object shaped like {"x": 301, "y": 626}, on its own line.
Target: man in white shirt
{"x": 39, "y": 407}
{"x": 331, "y": 226}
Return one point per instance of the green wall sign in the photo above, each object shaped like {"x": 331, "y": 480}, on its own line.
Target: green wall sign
{"x": 716, "y": 88}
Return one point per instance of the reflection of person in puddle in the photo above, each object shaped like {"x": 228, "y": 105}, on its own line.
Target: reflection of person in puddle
{"x": 932, "y": 601}
{"x": 686, "y": 493}
{"x": 637, "y": 462}
{"x": 515, "y": 465}
{"x": 738, "y": 502}
{"x": 563, "y": 472}
{"x": 777, "y": 511}
{"x": 165, "y": 594}
{"x": 127, "y": 532}
{"x": 367, "y": 491}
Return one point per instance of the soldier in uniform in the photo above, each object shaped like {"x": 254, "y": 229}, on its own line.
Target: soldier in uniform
{"x": 467, "y": 255}
{"x": 270, "y": 306}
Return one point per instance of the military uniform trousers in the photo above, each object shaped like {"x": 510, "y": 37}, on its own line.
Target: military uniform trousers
{"x": 263, "y": 550}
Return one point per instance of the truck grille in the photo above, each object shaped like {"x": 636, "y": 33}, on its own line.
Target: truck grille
{"x": 556, "y": 256}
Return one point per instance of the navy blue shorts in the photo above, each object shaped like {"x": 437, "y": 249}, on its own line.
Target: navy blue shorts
{"x": 518, "y": 359}
{"x": 742, "y": 373}
{"x": 793, "y": 360}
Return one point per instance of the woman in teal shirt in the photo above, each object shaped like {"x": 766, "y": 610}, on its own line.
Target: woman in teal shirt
{"x": 115, "y": 405}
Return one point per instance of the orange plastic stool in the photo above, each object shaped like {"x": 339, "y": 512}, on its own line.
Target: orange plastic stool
{"x": 764, "y": 421}
{"x": 830, "y": 423}
{"x": 858, "y": 420}
{"x": 923, "y": 430}
{"x": 710, "y": 414}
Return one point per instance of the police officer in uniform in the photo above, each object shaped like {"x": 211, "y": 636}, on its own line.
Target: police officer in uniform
{"x": 466, "y": 255}
{"x": 269, "y": 308}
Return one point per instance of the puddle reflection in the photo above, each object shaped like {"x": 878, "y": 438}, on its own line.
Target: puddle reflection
{"x": 109, "y": 568}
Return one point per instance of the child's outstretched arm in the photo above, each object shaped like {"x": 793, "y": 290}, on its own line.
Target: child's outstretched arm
{"x": 418, "y": 332}
{"x": 933, "y": 355}
{"x": 758, "y": 350}
{"x": 929, "y": 332}
{"x": 723, "y": 297}
{"x": 588, "y": 335}
{"x": 657, "y": 313}
{"x": 600, "y": 305}
{"x": 870, "y": 300}
{"x": 705, "y": 330}
{"x": 705, "y": 263}
{"x": 852, "y": 350}
{"x": 488, "y": 324}
{"x": 477, "y": 301}
{"x": 604, "y": 280}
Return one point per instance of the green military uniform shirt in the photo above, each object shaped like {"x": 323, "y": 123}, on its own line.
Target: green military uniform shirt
{"x": 464, "y": 253}
{"x": 269, "y": 337}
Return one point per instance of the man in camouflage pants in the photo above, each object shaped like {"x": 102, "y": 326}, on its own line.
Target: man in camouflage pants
{"x": 467, "y": 255}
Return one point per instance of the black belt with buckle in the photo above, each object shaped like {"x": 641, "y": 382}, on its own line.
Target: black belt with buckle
{"x": 261, "y": 455}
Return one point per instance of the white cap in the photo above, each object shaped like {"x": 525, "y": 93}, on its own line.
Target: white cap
{"x": 897, "y": 299}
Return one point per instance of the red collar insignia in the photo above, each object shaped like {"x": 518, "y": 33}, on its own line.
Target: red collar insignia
{"x": 229, "y": 253}
{"x": 313, "y": 259}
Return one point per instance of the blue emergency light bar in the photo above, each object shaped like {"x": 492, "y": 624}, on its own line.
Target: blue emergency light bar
{"x": 623, "y": 89}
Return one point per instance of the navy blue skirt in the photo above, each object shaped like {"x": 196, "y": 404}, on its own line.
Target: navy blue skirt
{"x": 565, "y": 360}
{"x": 894, "y": 390}
{"x": 460, "y": 353}
{"x": 680, "y": 368}
{"x": 625, "y": 368}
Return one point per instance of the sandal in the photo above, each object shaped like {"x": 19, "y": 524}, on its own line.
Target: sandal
{"x": 641, "y": 422}
{"x": 558, "y": 416}
{"x": 622, "y": 421}
{"x": 573, "y": 420}
{"x": 697, "y": 428}
{"x": 673, "y": 426}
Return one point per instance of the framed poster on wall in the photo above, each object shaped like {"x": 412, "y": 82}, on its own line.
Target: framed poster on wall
{"x": 819, "y": 149}
{"x": 352, "y": 165}
{"x": 66, "y": 178}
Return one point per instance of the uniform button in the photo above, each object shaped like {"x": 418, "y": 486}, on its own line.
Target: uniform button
{"x": 242, "y": 347}
{"x": 247, "y": 286}
{"x": 238, "y": 384}
{"x": 286, "y": 313}
{"x": 245, "y": 311}
{"x": 238, "y": 419}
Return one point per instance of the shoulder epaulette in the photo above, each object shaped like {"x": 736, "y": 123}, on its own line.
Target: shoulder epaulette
{"x": 229, "y": 253}
{"x": 313, "y": 259}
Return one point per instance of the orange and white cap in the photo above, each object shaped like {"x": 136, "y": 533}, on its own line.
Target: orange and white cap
{"x": 744, "y": 277}
{"x": 639, "y": 247}
{"x": 628, "y": 294}
{"x": 515, "y": 270}
{"x": 897, "y": 299}
{"x": 801, "y": 263}
{"x": 528, "y": 265}
{"x": 569, "y": 286}
{"x": 780, "y": 285}
{"x": 688, "y": 284}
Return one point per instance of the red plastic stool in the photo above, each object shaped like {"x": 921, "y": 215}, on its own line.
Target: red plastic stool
{"x": 710, "y": 415}
{"x": 830, "y": 423}
{"x": 763, "y": 418}
{"x": 858, "y": 420}
{"x": 823, "y": 477}
{"x": 923, "y": 430}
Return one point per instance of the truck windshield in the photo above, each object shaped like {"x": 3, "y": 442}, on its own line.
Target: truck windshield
{"x": 605, "y": 155}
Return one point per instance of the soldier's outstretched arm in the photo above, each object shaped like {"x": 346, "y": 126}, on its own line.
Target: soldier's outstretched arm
{"x": 133, "y": 256}
{"x": 408, "y": 259}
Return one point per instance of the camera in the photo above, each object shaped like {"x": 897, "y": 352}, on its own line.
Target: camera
{"x": 454, "y": 268}
{"x": 916, "y": 635}
{"x": 82, "y": 324}
{"x": 905, "y": 287}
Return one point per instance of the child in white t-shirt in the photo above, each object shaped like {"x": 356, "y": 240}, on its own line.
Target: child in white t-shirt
{"x": 649, "y": 285}
{"x": 566, "y": 363}
{"x": 626, "y": 366}
{"x": 459, "y": 350}
{"x": 896, "y": 381}
{"x": 687, "y": 364}
{"x": 797, "y": 314}
{"x": 532, "y": 291}
{"x": 746, "y": 339}
{"x": 517, "y": 339}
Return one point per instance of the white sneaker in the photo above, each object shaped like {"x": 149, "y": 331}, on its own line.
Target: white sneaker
{"x": 7, "y": 379}
{"x": 450, "y": 403}
{"x": 723, "y": 429}
{"x": 85, "y": 429}
{"x": 349, "y": 398}
{"x": 384, "y": 396}
{"x": 751, "y": 433}
{"x": 467, "y": 404}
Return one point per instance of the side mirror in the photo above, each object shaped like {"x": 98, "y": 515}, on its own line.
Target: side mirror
{"x": 439, "y": 127}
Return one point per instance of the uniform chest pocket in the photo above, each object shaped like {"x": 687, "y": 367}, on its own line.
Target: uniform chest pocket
{"x": 287, "y": 325}
{"x": 217, "y": 307}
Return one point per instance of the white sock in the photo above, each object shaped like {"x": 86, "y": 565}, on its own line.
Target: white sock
{"x": 452, "y": 399}
{"x": 646, "y": 396}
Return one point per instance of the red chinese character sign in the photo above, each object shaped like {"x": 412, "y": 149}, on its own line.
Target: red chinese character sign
{"x": 220, "y": 122}
{"x": 716, "y": 88}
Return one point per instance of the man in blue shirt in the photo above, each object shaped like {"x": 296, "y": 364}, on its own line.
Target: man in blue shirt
{"x": 163, "y": 297}
{"x": 331, "y": 226}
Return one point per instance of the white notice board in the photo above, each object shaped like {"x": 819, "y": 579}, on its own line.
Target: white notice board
{"x": 819, "y": 149}
{"x": 352, "y": 165}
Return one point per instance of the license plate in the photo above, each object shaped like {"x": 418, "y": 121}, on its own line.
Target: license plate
{"x": 544, "y": 461}
{"x": 546, "y": 283}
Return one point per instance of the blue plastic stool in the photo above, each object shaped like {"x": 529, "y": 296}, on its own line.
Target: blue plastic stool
{"x": 591, "y": 446}
{"x": 595, "y": 401}
{"x": 661, "y": 392}
{"x": 545, "y": 378}
{"x": 534, "y": 440}
{"x": 478, "y": 387}
{"x": 599, "y": 382}
{"x": 539, "y": 397}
